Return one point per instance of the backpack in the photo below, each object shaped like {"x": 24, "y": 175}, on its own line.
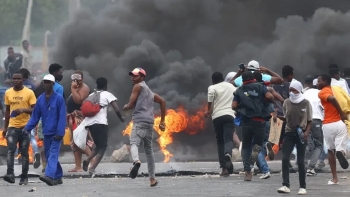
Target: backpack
{"x": 91, "y": 105}
{"x": 252, "y": 101}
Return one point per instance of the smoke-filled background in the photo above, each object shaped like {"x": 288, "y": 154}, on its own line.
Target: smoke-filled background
{"x": 181, "y": 42}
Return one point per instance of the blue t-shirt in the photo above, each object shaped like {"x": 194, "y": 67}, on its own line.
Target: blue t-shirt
{"x": 58, "y": 88}
{"x": 239, "y": 81}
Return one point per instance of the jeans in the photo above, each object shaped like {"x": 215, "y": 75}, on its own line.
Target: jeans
{"x": 33, "y": 142}
{"x": 52, "y": 152}
{"x": 290, "y": 140}
{"x": 315, "y": 143}
{"x": 224, "y": 128}
{"x": 253, "y": 132}
{"x": 323, "y": 155}
{"x": 262, "y": 154}
{"x": 14, "y": 136}
{"x": 143, "y": 131}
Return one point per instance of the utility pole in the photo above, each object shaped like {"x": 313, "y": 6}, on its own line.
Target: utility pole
{"x": 73, "y": 5}
{"x": 26, "y": 28}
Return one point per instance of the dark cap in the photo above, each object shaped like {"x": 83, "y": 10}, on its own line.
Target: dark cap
{"x": 247, "y": 76}
{"x": 309, "y": 79}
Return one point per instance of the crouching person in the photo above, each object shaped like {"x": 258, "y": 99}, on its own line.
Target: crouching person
{"x": 52, "y": 109}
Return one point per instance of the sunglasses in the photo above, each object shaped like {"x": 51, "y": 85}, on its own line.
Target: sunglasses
{"x": 76, "y": 77}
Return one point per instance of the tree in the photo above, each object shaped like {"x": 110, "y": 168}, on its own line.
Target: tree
{"x": 46, "y": 15}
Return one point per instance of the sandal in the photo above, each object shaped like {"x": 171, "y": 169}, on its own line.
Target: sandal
{"x": 154, "y": 184}
{"x": 135, "y": 169}
{"x": 330, "y": 182}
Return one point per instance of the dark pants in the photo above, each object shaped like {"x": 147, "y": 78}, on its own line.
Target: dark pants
{"x": 290, "y": 140}
{"x": 315, "y": 143}
{"x": 52, "y": 151}
{"x": 99, "y": 133}
{"x": 14, "y": 136}
{"x": 253, "y": 133}
{"x": 224, "y": 128}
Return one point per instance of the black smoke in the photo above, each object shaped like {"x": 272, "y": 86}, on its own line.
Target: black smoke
{"x": 181, "y": 42}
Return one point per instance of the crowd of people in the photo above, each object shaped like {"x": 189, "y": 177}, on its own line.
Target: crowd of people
{"x": 242, "y": 107}
{"x": 315, "y": 117}
{"x": 43, "y": 112}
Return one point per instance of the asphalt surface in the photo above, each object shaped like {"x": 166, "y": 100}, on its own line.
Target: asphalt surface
{"x": 201, "y": 185}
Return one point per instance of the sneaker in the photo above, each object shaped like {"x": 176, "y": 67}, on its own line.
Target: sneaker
{"x": 229, "y": 165}
{"x": 265, "y": 176}
{"x": 58, "y": 182}
{"x": 36, "y": 162}
{"x": 224, "y": 173}
{"x": 269, "y": 151}
{"x": 24, "y": 180}
{"x": 248, "y": 176}
{"x": 302, "y": 191}
{"x": 283, "y": 190}
{"x": 49, "y": 181}
{"x": 342, "y": 160}
{"x": 311, "y": 172}
{"x": 10, "y": 178}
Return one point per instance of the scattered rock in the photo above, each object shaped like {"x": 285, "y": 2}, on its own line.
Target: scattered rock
{"x": 121, "y": 155}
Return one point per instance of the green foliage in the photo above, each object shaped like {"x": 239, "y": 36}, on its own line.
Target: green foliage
{"x": 46, "y": 15}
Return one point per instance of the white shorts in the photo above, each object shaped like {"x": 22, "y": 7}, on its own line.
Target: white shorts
{"x": 336, "y": 135}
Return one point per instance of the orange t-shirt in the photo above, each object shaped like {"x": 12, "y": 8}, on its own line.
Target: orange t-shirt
{"x": 330, "y": 112}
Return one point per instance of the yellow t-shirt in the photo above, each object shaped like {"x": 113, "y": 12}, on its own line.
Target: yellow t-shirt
{"x": 16, "y": 100}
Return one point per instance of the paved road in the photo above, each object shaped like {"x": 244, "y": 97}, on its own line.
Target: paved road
{"x": 202, "y": 185}
{"x": 162, "y": 169}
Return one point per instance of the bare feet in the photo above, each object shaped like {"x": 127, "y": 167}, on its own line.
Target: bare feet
{"x": 76, "y": 170}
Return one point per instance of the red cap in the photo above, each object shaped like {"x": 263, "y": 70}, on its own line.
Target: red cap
{"x": 137, "y": 71}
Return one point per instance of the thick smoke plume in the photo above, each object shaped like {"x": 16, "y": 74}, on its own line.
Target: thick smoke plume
{"x": 181, "y": 42}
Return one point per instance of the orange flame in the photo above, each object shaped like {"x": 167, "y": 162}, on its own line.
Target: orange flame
{"x": 3, "y": 142}
{"x": 176, "y": 121}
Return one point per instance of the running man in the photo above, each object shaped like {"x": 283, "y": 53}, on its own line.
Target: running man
{"x": 98, "y": 124}
{"x": 141, "y": 100}
{"x": 19, "y": 101}
{"x": 334, "y": 129}
{"x": 220, "y": 96}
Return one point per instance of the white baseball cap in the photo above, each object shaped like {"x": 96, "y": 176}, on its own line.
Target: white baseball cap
{"x": 229, "y": 76}
{"x": 49, "y": 77}
{"x": 253, "y": 65}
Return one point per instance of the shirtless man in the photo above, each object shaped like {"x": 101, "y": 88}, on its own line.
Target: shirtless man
{"x": 80, "y": 91}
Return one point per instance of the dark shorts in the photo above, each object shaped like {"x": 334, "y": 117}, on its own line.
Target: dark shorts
{"x": 99, "y": 133}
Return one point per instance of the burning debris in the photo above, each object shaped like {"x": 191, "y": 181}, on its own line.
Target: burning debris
{"x": 176, "y": 121}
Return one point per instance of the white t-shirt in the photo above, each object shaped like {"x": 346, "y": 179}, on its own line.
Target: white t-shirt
{"x": 101, "y": 117}
{"x": 221, "y": 95}
{"x": 340, "y": 83}
{"x": 311, "y": 94}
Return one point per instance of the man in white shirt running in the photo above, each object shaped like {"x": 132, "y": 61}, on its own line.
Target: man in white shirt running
{"x": 98, "y": 124}
{"x": 315, "y": 139}
{"x": 220, "y": 96}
